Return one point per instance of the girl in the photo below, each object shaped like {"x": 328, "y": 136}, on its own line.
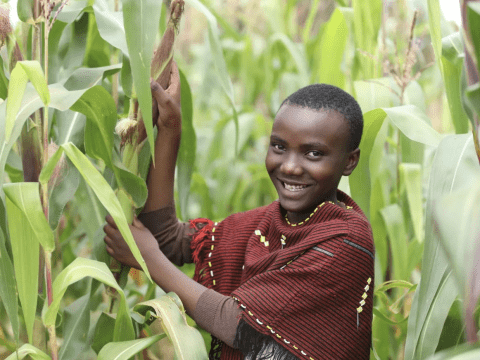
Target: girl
{"x": 290, "y": 280}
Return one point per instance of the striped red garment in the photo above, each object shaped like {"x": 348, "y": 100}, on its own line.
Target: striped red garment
{"x": 308, "y": 285}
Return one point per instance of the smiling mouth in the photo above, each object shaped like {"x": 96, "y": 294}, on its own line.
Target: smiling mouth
{"x": 294, "y": 188}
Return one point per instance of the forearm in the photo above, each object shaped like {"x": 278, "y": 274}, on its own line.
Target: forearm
{"x": 169, "y": 278}
{"x": 161, "y": 176}
{"x": 216, "y": 313}
{"x": 173, "y": 237}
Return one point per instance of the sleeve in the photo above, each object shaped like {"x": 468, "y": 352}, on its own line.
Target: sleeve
{"x": 218, "y": 314}
{"x": 173, "y": 236}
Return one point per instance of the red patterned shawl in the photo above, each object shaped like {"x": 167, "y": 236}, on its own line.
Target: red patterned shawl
{"x": 313, "y": 295}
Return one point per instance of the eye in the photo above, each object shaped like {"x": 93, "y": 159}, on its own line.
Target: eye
{"x": 277, "y": 147}
{"x": 314, "y": 154}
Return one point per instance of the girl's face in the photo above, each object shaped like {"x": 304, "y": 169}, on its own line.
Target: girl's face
{"x": 307, "y": 156}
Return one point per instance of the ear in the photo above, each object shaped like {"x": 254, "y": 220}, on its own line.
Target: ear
{"x": 352, "y": 162}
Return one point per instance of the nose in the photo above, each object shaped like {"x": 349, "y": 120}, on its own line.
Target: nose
{"x": 291, "y": 166}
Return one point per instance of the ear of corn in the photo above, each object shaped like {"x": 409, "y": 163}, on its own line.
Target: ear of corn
{"x": 132, "y": 129}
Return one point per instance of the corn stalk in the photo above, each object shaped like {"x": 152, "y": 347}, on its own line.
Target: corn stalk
{"x": 132, "y": 129}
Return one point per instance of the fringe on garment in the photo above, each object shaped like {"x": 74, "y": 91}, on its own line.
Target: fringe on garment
{"x": 204, "y": 228}
{"x": 256, "y": 346}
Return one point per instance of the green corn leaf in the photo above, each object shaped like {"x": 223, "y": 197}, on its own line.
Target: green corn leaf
{"x": 140, "y": 17}
{"x": 126, "y": 204}
{"x": 97, "y": 50}
{"x": 54, "y": 42}
{"x": 461, "y": 352}
{"x": 34, "y": 72}
{"x": 472, "y": 100}
{"x": 378, "y": 202}
{"x": 25, "y": 250}
{"x": 26, "y": 197}
{"x": 383, "y": 317}
{"x": 309, "y": 22}
{"x": 30, "y": 351}
{"x": 71, "y": 127}
{"x": 218, "y": 58}
{"x": 85, "y": 78}
{"x": 293, "y": 51}
{"x": 411, "y": 175}
{"x": 199, "y": 186}
{"x": 16, "y": 89}
{"x": 62, "y": 191}
{"x": 76, "y": 323}
{"x": 103, "y": 331}
{"x": 452, "y": 65}
{"x": 8, "y": 291}
{"x": 436, "y": 291}
{"x": 438, "y": 309}
{"x": 75, "y": 53}
{"x": 77, "y": 270}
{"x": 434, "y": 18}
{"x": 188, "y": 147}
{"x": 126, "y": 77}
{"x": 375, "y": 94}
{"x": 106, "y": 196}
{"x": 186, "y": 340}
{"x": 49, "y": 167}
{"x": 412, "y": 123}
{"x": 473, "y": 16}
{"x": 332, "y": 48}
{"x": 367, "y": 17}
{"x": 101, "y": 112}
{"x": 395, "y": 225}
{"x": 71, "y": 11}
{"x": 449, "y": 54}
{"x": 459, "y": 237}
{"x": 341, "y": 3}
{"x": 61, "y": 99}
{"x": 25, "y": 10}
{"x": 110, "y": 25}
{"x": 3, "y": 81}
{"x": 126, "y": 349}
{"x": 134, "y": 185}
{"x": 359, "y": 180}
{"x": 23, "y": 71}
{"x": 394, "y": 284}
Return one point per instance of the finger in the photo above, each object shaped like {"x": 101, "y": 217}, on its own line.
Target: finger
{"x": 113, "y": 234}
{"x": 111, "y": 222}
{"x": 109, "y": 250}
{"x": 108, "y": 240}
{"x": 174, "y": 89}
{"x": 158, "y": 93}
{"x": 154, "y": 110}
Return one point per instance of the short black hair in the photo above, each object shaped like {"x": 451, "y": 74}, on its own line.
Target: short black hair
{"x": 328, "y": 97}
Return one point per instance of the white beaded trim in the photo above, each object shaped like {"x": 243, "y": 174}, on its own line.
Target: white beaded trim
{"x": 273, "y": 331}
{"x": 210, "y": 254}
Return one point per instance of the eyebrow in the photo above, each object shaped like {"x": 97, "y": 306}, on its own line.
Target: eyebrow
{"x": 307, "y": 145}
{"x": 314, "y": 145}
{"x": 276, "y": 138}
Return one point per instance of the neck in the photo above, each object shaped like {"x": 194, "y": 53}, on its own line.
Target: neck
{"x": 299, "y": 216}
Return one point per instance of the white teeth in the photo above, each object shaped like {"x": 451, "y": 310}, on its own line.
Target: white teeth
{"x": 294, "y": 187}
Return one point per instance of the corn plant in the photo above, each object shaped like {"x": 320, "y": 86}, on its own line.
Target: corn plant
{"x": 58, "y": 150}
{"x": 417, "y": 180}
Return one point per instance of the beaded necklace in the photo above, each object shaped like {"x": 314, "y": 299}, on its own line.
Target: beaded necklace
{"x": 310, "y": 216}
